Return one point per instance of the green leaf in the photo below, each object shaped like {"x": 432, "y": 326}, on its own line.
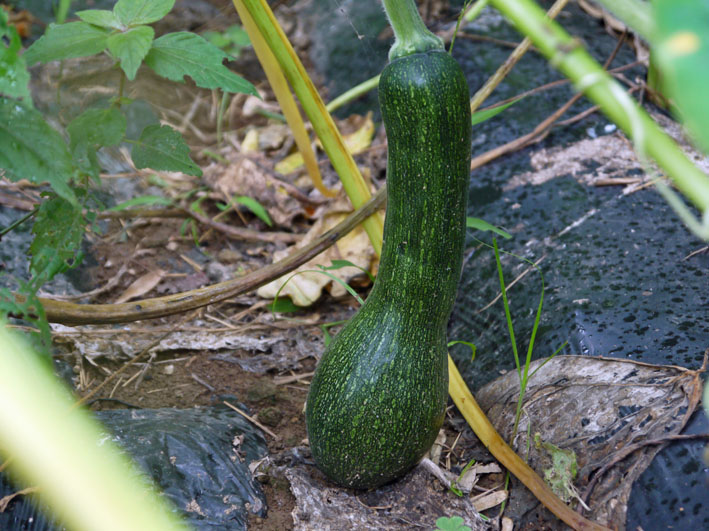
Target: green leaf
{"x": 181, "y": 54}
{"x": 681, "y": 50}
{"x": 31, "y": 149}
{"x": 92, "y": 129}
{"x": 58, "y": 230}
{"x": 101, "y": 127}
{"x": 283, "y": 305}
{"x": 131, "y": 47}
{"x": 255, "y": 207}
{"x": 455, "y": 523}
{"x": 160, "y": 147}
{"x": 562, "y": 472}
{"x": 232, "y": 40}
{"x": 100, "y": 17}
{"x": 63, "y": 41}
{"x": 134, "y": 12}
{"x": 486, "y": 114}
{"x": 481, "y": 224}
{"x": 140, "y": 201}
{"x": 14, "y": 77}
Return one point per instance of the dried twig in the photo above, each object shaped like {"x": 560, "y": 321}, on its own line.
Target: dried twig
{"x": 74, "y": 314}
{"x": 252, "y": 420}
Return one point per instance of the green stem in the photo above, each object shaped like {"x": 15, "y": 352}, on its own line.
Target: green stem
{"x": 352, "y": 181}
{"x": 62, "y": 11}
{"x": 353, "y": 93}
{"x": 566, "y": 54}
{"x": 475, "y": 10}
{"x": 411, "y": 34}
{"x": 19, "y": 222}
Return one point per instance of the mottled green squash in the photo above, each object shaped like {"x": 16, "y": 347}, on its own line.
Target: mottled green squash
{"x": 379, "y": 393}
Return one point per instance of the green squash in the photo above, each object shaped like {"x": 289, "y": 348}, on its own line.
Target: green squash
{"x": 378, "y": 396}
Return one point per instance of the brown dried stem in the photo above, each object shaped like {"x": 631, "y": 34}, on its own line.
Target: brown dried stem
{"x": 75, "y": 314}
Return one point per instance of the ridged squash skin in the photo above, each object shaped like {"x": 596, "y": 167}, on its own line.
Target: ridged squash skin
{"x": 378, "y": 396}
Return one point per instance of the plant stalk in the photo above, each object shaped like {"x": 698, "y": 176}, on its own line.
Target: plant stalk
{"x": 411, "y": 34}
{"x": 324, "y": 126}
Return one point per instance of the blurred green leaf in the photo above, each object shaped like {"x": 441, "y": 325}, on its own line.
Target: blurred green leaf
{"x": 64, "y": 41}
{"x": 255, "y": 207}
{"x": 58, "y": 231}
{"x": 135, "y": 12}
{"x": 100, "y": 17}
{"x": 160, "y": 147}
{"x": 141, "y": 201}
{"x": 131, "y": 47}
{"x": 454, "y": 523}
{"x": 92, "y": 129}
{"x": 681, "y": 50}
{"x": 486, "y": 114}
{"x": 481, "y": 224}
{"x": 98, "y": 127}
{"x": 232, "y": 40}
{"x": 31, "y": 149}
{"x": 181, "y": 54}
{"x": 283, "y": 305}
{"x": 14, "y": 77}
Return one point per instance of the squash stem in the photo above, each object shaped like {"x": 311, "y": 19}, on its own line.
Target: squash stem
{"x": 411, "y": 34}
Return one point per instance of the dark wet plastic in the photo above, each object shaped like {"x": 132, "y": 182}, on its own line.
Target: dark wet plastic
{"x": 189, "y": 453}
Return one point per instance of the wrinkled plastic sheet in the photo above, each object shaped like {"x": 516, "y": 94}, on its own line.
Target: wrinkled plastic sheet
{"x": 198, "y": 457}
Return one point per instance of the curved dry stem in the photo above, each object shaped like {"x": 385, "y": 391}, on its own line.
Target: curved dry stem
{"x": 75, "y": 314}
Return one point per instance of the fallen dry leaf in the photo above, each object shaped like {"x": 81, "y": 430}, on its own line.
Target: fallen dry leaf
{"x": 306, "y": 286}
{"x": 244, "y": 177}
{"x": 355, "y": 142}
{"x": 487, "y": 501}
{"x": 141, "y": 285}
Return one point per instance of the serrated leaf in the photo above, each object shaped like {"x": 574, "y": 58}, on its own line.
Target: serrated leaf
{"x": 130, "y": 48}
{"x": 134, "y": 12}
{"x": 58, "y": 230}
{"x": 681, "y": 47}
{"x": 64, "y": 41}
{"x": 100, "y": 17}
{"x": 14, "y": 77}
{"x": 160, "y": 147}
{"x": 181, "y": 54}
{"x": 31, "y": 149}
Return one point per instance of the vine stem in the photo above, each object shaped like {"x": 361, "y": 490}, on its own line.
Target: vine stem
{"x": 411, "y": 34}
